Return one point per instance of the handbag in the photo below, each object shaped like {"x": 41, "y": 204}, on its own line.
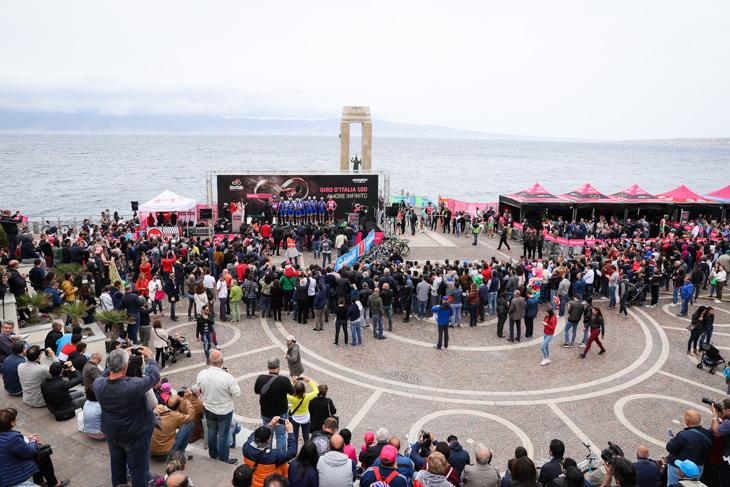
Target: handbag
{"x": 330, "y": 413}
{"x": 159, "y": 295}
{"x": 43, "y": 451}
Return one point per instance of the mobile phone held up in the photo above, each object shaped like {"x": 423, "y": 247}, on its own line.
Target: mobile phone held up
{"x": 281, "y": 421}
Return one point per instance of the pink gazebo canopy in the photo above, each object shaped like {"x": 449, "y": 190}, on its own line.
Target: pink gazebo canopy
{"x": 586, "y": 193}
{"x": 536, "y": 194}
{"x": 682, "y": 194}
{"x": 720, "y": 195}
{"x": 634, "y": 194}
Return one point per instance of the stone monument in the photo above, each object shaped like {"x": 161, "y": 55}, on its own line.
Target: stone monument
{"x": 356, "y": 115}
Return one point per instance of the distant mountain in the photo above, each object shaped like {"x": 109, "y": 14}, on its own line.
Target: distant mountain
{"x": 87, "y": 123}
{"x": 722, "y": 141}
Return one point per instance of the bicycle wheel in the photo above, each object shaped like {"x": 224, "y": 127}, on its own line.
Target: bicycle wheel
{"x": 405, "y": 252}
{"x": 45, "y": 228}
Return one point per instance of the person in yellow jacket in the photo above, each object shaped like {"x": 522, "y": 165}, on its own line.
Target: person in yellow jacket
{"x": 299, "y": 406}
{"x": 235, "y": 296}
{"x": 68, "y": 288}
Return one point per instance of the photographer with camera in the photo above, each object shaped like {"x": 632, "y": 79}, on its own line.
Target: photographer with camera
{"x": 693, "y": 443}
{"x": 722, "y": 429}
{"x": 60, "y": 400}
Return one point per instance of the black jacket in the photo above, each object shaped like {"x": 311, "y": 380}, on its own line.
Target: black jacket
{"x": 691, "y": 444}
{"x": 55, "y": 391}
{"x": 51, "y": 340}
{"x": 369, "y": 456}
{"x": 459, "y": 457}
{"x": 131, "y": 302}
{"x": 550, "y": 470}
{"x": 78, "y": 360}
{"x": 274, "y": 401}
{"x": 320, "y": 408}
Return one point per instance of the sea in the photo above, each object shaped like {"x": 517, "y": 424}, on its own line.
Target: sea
{"x": 81, "y": 175}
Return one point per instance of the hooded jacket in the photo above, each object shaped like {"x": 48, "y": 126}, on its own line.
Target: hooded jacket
{"x": 429, "y": 479}
{"x": 273, "y": 461}
{"x": 459, "y": 457}
{"x": 336, "y": 469}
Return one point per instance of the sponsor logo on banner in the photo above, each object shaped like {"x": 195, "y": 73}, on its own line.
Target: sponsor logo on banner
{"x": 517, "y": 226}
{"x": 154, "y": 232}
{"x": 356, "y": 251}
{"x": 259, "y": 195}
{"x": 236, "y": 185}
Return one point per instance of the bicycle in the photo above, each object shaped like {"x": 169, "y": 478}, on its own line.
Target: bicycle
{"x": 591, "y": 461}
{"x": 63, "y": 228}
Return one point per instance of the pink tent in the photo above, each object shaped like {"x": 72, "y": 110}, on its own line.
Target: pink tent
{"x": 586, "y": 194}
{"x": 635, "y": 194}
{"x": 536, "y": 194}
{"x": 682, "y": 195}
{"x": 720, "y": 195}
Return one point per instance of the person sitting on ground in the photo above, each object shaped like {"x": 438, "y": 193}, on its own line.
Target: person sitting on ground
{"x": 434, "y": 476}
{"x": 689, "y": 474}
{"x": 61, "y": 401}
{"x": 91, "y": 370}
{"x": 322, "y": 437}
{"x": 482, "y": 473}
{"x": 450, "y": 472}
{"x": 276, "y": 480}
{"x": 257, "y": 452}
{"x": 242, "y": 476}
{"x": 178, "y": 479}
{"x": 553, "y": 468}
{"x": 54, "y": 335}
{"x": 624, "y": 473}
{"x": 648, "y": 470}
{"x": 368, "y": 456}
{"x": 177, "y": 461}
{"x": 177, "y": 426}
{"x": 386, "y": 472}
{"x": 32, "y": 374}
{"x": 459, "y": 457}
{"x": 66, "y": 350}
{"x": 303, "y": 469}
{"x": 402, "y": 464}
{"x": 66, "y": 338}
{"x": 335, "y": 467}
{"x": 77, "y": 357}
{"x": 560, "y": 480}
{"x": 92, "y": 415}
{"x": 18, "y": 461}
{"x": 11, "y": 380}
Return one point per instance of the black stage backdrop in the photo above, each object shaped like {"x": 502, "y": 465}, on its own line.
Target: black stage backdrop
{"x": 257, "y": 191}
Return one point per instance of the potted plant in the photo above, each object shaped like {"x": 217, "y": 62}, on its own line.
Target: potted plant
{"x": 33, "y": 304}
{"x": 116, "y": 318}
{"x": 74, "y": 309}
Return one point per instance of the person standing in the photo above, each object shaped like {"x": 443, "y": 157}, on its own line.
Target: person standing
{"x": 549, "y": 324}
{"x": 293, "y": 357}
{"x": 531, "y": 306}
{"x": 222, "y": 290}
{"x": 597, "y": 327}
{"x": 299, "y": 406}
{"x": 516, "y": 314}
{"x": 443, "y": 314}
{"x": 341, "y": 320}
{"x": 204, "y": 330}
{"x": 218, "y": 388}
{"x": 354, "y": 314}
{"x": 127, "y": 418}
{"x": 502, "y": 311}
{"x": 159, "y": 341}
{"x": 503, "y": 239}
{"x": 173, "y": 293}
{"x": 375, "y": 302}
{"x": 686, "y": 294}
{"x": 575, "y": 313}
{"x": 273, "y": 390}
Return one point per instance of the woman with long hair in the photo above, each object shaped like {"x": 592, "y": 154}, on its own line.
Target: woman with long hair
{"x": 596, "y": 327}
{"x": 277, "y": 299}
{"x": 321, "y": 408}
{"x": 523, "y": 474}
{"x": 89, "y": 300}
{"x": 158, "y": 341}
{"x": 549, "y": 323}
{"x": 473, "y": 302}
{"x": 299, "y": 406}
{"x": 303, "y": 469}
{"x": 709, "y": 323}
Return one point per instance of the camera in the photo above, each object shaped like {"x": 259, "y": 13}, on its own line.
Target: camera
{"x": 181, "y": 391}
{"x": 609, "y": 454}
{"x": 710, "y": 402}
{"x": 135, "y": 351}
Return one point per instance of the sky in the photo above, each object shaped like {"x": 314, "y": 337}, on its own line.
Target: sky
{"x": 599, "y": 70}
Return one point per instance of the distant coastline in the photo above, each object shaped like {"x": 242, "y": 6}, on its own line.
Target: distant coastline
{"x": 717, "y": 141}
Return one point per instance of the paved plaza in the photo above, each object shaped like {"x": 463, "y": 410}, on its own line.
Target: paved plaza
{"x": 481, "y": 389}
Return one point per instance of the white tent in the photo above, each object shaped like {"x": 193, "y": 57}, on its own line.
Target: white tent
{"x": 169, "y": 201}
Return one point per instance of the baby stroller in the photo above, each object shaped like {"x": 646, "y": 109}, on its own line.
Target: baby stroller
{"x": 636, "y": 295}
{"x": 710, "y": 358}
{"x": 178, "y": 346}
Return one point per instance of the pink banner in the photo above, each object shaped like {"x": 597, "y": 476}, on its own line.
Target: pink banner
{"x": 518, "y": 226}
{"x": 562, "y": 241}
{"x": 576, "y": 242}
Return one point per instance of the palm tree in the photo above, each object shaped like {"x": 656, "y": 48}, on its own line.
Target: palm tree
{"x": 74, "y": 309}
{"x": 117, "y": 318}
{"x": 33, "y": 304}
{"x": 74, "y": 268}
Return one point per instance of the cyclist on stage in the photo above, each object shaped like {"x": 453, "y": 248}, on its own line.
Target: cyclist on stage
{"x": 290, "y": 211}
{"x": 331, "y": 207}
{"x": 298, "y": 210}
{"x": 322, "y": 208}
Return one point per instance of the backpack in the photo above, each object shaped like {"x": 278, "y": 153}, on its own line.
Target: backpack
{"x": 380, "y": 482}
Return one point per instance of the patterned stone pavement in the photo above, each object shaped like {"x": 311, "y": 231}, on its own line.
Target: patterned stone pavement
{"x": 482, "y": 389}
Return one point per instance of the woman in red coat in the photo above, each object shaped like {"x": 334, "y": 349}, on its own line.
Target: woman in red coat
{"x": 549, "y": 323}
{"x": 142, "y": 284}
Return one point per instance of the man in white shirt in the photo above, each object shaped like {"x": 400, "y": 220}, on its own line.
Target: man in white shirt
{"x": 222, "y": 289}
{"x": 588, "y": 276}
{"x": 218, "y": 388}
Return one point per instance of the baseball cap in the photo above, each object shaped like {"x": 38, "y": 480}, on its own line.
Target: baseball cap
{"x": 262, "y": 433}
{"x": 389, "y": 453}
{"x": 689, "y": 468}
{"x": 369, "y": 437}
{"x": 445, "y": 298}
{"x": 291, "y": 338}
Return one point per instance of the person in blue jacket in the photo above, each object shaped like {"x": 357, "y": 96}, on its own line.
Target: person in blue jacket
{"x": 443, "y": 316}
{"x": 17, "y": 461}
{"x": 686, "y": 294}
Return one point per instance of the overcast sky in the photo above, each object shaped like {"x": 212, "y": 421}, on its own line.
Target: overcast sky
{"x": 611, "y": 70}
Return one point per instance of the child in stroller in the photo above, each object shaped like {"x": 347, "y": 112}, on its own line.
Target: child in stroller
{"x": 178, "y": 346}
{"x": 710, "y": 358}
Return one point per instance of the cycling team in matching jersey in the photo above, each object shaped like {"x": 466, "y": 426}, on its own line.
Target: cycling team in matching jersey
{"x": 307, "y": 210}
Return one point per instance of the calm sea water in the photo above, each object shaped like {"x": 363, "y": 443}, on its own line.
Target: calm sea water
{"x": 83, "y": 174}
